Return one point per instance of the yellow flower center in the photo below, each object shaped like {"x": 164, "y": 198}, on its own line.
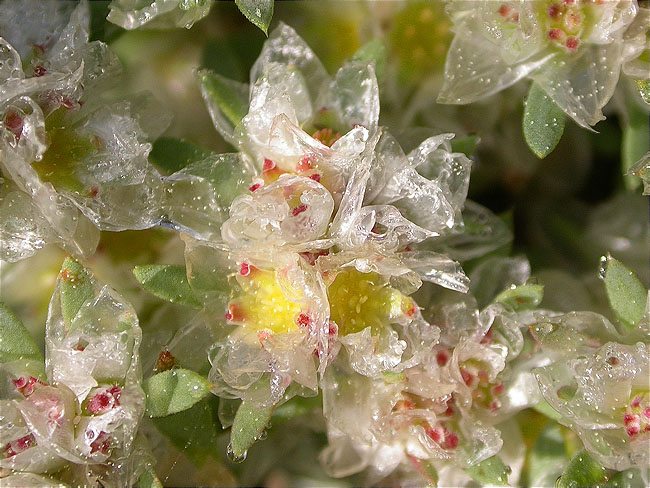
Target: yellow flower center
{"x": 359, "y": 300}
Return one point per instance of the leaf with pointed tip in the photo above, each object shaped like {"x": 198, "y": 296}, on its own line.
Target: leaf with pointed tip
{"x": 523, "y": 297}
{"x": 173, "y": 391}
{"x": 250, "y": 421}
{"x": 15, "y": 341}
{"x": 627, "y": 295}
{"x": 148, "y": 479}
{"x": 169, "y": 282}
{"x": 372, "y": 52}
{"x": 76, "y": 285}
{"x": 192, "y": 431}
{"x": 582, "y": 470}
{"x": 492, "y": 471}
{"x": 259, "y": 12}
{"x": 228, "y": 96}
{"x": 543, "y": 122}
{"x": 171, "y": 155}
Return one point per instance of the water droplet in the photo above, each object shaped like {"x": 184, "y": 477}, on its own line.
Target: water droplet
{"x": 602, "y": 268}
{"x": 233, "y": 457}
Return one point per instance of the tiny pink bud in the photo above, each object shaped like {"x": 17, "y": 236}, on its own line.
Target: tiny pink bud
{"x": 299, "y": 209}
{"x": 268, "y": 165}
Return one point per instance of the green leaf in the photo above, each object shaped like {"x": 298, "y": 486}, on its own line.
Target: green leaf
{"x": 193, "y": 431}
{"x": 466, "y": 145}
{"x": 582, "y": 470}
{"x": 644, "y": 89}
{"x": 636, "y": 142}
{"x": 547, "y": 458}
{"x": 148, "y": 479}
{"x": 250, "y": 422}
{"x": 228, "y": 96}
{"x": 491, "y": 471}
{"x": 171, "y": 155}
{"x": 174, "y": 391}
{"x": 15, "y": 341}
{"x": 259, "y": 12}
{"x": 169, "y": 282}
{"x": 76, "y": 286}
{"x": 523, "y": 297}
{"x": 627, "y": 295}
{"x": 543, "y": 122}
{"x": 373, "y": 52}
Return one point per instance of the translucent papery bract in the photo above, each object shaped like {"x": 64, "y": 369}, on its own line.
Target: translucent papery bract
{"x": 198, "y": 197}
{"x": 353, "y": 96}
{"x": 371, "y": 354}
{"x": 31, "y": 22}
{"x": 429, "y": 187}
{"x": 259, "y": 371}
{"x": 29, "y": 480}
{"x": 99, "y": 345}
{"x": 281, "y": 328}
{"x": 495, "y": 274}
{"x": 50, "y": 413}
{"x": 487, "y": 56}
{"x": 21, "y": 449}
{"x": 292, "y": 210}
{"x": 579, "y": 96}
{"x": 286, "y": 47}
{"x": 118, "y": 424}
{"x": 637, "y": 46}
{"x": 605, "y": 398}
{"x": 572, "y": 333}
{"x": 131, "y": 14}
{"x": 479, "y": 233}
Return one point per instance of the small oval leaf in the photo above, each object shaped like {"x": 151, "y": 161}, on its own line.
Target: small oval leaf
{"x": 171, "y": 155}
{"x": 259, "y": 12}
{"x": 543, "y": 122}
{"x": 250, "y": 421}
{"x": 492, "y": 471}
{"x": 174, "y": 391}
{"x": 523, "y": 297}
{"x": 627, "y": 295}
{"x": 76, "y": 285}
{"x": 15, "y": 341}
{"x": 168, "y": 282}
{"x": 223, "y": 97}
{"x": 582, "y": 470}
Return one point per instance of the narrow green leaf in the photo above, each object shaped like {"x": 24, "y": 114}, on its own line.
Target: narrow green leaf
{"x": 169, "y": 282}
{"x": 171, "y": 155}
{"x": 375, "y": 52}
{"x": 250, "y": 422}
{"x": 523, "y": 297}
{"x": 543, "y": 122}
{"x": 228, "y": 96}
{"x": 627, "y": 295}
{"x": 76, "y": 286}
{"x": 582, "y": 470}
{"x": 15, "y": 341}
{"x": 259, "y": 12}
{"x": 148, "y": 479}
{"x": 174, "y": 391}
{"x": 491, "y": 471}
{"x": 193, "y": 431}
{"x": 636, "y": 141}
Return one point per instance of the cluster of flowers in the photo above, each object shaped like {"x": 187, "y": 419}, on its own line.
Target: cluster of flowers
{"x": 574, "y": 49}
{"x": 318, "y": 258}
{"x": 80, "y": 419}
{"x": 310, "y": 246}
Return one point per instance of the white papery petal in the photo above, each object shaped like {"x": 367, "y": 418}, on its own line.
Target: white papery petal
{"x": 286, "y": 47}
{"x": 475, "y": 69}
{"x": 581, "y": 87}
